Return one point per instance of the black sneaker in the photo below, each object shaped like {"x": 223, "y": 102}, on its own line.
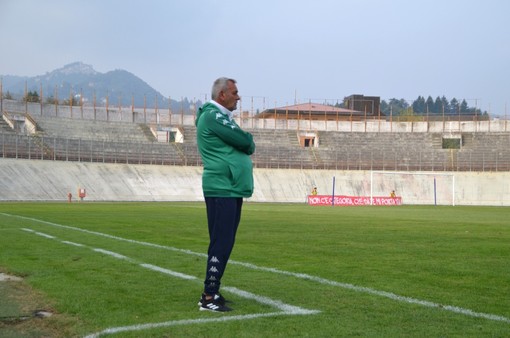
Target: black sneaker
{"x": 214, "y": 304}
{"x": 217, "y": 297}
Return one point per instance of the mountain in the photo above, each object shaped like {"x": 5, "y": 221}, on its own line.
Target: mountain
{"x": 81, "y": 79}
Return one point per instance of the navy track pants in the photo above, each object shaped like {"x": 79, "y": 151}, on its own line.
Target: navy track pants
{"x": 223, "y": 217}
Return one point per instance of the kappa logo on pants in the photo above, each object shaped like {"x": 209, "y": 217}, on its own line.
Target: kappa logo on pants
{"x": 214, "y": 260}
{"x": 213, "y": 269}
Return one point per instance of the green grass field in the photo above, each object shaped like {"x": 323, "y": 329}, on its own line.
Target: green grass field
{"x": 136, "y": 270}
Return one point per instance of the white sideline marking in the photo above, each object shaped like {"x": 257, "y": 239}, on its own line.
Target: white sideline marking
{"x": 385, "y": 294}
{"x": 38, "y": 233}
{"x": 140, "y": 327}
{"x": 73, "y": 243}
{"x": 285, "y": 309}
{"x": 168, "y": 272}
{"x": 111, "y": 253}
{"x": 304, "y": 276}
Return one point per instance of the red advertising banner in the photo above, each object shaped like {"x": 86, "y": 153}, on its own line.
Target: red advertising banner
{"x": 352, "y": 200}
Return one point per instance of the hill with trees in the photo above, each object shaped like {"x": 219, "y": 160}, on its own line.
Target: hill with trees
{"x": 78, "y": 81}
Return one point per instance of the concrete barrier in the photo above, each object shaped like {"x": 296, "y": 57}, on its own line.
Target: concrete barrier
{"x": 26, "y": 180}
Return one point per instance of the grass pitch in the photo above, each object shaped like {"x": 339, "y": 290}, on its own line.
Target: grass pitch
{"x": 136, "y": 270}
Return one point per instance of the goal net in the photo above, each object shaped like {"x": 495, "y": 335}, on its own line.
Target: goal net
{"x": 414, "y": 187}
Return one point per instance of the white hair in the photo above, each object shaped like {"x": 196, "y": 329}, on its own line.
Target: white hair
{"x": 219, "y": 85}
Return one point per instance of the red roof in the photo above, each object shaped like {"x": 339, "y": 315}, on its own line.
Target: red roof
{"x": 314, "y": 107}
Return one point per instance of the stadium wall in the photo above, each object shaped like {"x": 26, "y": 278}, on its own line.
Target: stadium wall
{"x": 35, "y": 180}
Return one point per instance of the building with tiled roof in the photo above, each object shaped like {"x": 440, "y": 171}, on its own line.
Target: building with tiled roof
{"x": 317, "y": 111}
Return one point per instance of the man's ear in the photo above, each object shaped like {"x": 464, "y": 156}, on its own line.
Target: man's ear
{"x": 221, "y": 96}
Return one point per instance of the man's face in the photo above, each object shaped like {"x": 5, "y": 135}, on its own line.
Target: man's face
{"x": 230, "y": 96}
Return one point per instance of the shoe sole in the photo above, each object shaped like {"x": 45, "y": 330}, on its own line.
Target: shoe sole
{"x": 211, "y": 310}
{"x": 200, "y": 302}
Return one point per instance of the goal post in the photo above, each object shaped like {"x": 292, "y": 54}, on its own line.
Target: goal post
{"x": 414, "y": 187}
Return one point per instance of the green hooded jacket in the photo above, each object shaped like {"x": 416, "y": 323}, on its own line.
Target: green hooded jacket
{"x": 225, "y": 150}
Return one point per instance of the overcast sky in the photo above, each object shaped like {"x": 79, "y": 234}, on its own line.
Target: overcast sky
{"x": 280, "y": 50}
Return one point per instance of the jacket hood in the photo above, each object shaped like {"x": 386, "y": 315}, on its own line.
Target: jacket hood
{"x": 201, "y": 110}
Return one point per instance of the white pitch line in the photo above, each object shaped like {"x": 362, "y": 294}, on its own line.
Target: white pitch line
{"x": 362, "y": 289}
{"x": 148, "y": 326}
{"x": 73, "y": 243}
{"x": 285, "y": 309}
{"x": 290, "y": 309}
{"x": 188, "y": 252}
{"x": 385, "y": 294}
{"x": 168, "y": 272}
{"x": 38, "y": 233}
{"x": 111, "y": 253}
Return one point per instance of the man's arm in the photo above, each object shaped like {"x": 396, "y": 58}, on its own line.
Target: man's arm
{"x": 230, "y": 133}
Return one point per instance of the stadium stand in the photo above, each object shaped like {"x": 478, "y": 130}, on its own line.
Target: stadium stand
{"x": 5, "y": 128}
{"x": 381, "y": 151}
{"x": 86, "y": 140}
{"x": 93, "y": 130}
{"x": 484, "y": 151}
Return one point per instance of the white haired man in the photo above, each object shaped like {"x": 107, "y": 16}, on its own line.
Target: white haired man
{"x": 227, "y": 178}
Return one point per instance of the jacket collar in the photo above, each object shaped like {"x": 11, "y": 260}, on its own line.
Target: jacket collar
{"x": 223, "y": 109}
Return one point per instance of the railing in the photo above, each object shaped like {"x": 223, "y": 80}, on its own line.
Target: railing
{"x": 249, "y": 119}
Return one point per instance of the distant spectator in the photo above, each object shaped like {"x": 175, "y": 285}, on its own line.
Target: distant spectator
{"x": 393, "y": 195}
{"x": 314, "y": 191}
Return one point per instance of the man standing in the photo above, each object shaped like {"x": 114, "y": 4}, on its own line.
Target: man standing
{"x": 226, "y": 179}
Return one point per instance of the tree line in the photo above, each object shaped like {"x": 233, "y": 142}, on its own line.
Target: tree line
{"x": 33, "y": 96}
{"x": 429, "y": 106}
